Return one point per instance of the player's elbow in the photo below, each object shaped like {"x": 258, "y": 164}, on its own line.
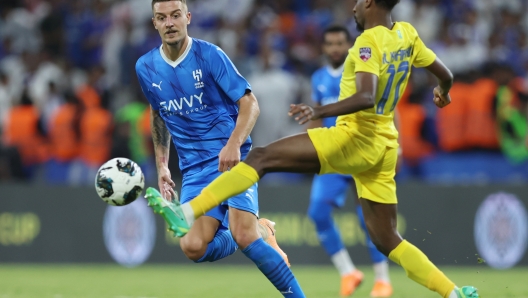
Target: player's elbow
{"x": 256, "y": 109}
{"x": 368, "y": 100}
{"x": 448, "y": 79}
{"x": 253, "y": 103}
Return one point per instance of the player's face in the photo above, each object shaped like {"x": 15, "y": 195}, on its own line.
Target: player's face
{"x": 171, "y": 20}
{"x": 359, "y": 14}
{"x": 335, "y": 47}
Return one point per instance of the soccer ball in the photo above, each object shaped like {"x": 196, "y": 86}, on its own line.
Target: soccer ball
{"x": 119, "y": 181}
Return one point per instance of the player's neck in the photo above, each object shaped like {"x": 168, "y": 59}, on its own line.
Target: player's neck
{"x": 384, "y": 20}
{"x": 173, "y": 52}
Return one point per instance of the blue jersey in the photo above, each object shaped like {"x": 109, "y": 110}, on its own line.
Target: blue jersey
{"x": 325, "y": 89}
{"x": 197, "y": 98}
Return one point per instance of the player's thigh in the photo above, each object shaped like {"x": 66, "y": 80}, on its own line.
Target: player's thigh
{"x": 294, "y": 154}
{"x": 330, "y": 189}
{"x": 377, "y": 184}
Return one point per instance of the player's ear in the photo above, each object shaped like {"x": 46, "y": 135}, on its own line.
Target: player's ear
{"x": 189, "y": 16}
{"x": 154, "y": 23}
{"x": 368, "y": 3}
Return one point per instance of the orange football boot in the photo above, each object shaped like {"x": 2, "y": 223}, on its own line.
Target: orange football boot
{"x": 350, "y": 282}
{"x": 269, "y": 236}
{"x": 381, "y": 289}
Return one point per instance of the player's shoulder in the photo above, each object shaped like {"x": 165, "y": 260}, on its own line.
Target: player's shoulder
{"x": 204, "y": 47}
{"x": 408, "y": 28}
{"x": 146, "y": 60}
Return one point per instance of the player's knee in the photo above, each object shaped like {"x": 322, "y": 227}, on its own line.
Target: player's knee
{"x": 193, "y": 248}
{"x": 257, "y": 158}
{"x": 318, "y": 214}
{"x": 244, "y": 237}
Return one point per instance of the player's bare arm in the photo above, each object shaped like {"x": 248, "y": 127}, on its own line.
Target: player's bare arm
{"x": 161, "y": 139}
{"x": 247, "y": 117}
{"x": 363, "y": 99}
{"x": 445, "y": 82}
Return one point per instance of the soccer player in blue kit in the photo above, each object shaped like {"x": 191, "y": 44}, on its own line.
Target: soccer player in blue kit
{"x": 329, "y": 191}
{"x": 200, "y": 100}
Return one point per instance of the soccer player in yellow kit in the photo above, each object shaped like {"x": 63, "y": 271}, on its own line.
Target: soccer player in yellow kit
{"x": 363, "y": 143}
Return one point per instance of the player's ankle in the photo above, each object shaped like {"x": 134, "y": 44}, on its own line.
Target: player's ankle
{"x": 453, "y": 293}
{"x": 188, "y": 212}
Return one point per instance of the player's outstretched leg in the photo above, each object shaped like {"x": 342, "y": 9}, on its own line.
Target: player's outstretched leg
{"x": 382, "y": 286}
{"x": 381, "y": 224}
{"x": 329, "y": 191}
{"x": 269, "y": 261}
{"x": 292, "y": 154}
{"x": 208, "y": 241}
{"x": 202, "y": 243}
{"x": 170, "y": 211}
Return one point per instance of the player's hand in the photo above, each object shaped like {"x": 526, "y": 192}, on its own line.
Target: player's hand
{"x": 303, "y": 113}
{"x": 228, "y": 157}
{"x": 440, "y": 99}
{"x": 165, "y": 184}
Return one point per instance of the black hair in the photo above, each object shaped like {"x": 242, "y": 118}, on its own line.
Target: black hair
{"x": 388, "y": 4}
{"x": 337, "y": 29}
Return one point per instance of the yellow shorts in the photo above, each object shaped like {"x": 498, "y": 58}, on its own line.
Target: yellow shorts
{"x": 344, "y": 150}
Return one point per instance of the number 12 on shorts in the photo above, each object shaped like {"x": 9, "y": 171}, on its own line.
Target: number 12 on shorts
{"x": 393, "y": 71}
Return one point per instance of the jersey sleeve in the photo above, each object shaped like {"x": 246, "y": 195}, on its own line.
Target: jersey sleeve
{"x": 366, "y": 55}
{"x": 423, "y": 55}
{"x": 316, "y": 94}
{"x": 226, "y": 75}
{"x": 144, "y": 86}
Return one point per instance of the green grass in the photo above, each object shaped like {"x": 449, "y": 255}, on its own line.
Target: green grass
{"x": 210, "y": 280}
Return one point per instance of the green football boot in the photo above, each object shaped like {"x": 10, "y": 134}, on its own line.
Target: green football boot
{"x": 467, "y": 292}
{"x": 171, "y": 212}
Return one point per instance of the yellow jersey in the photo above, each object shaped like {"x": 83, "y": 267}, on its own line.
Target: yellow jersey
{"x": 389, "y": 54}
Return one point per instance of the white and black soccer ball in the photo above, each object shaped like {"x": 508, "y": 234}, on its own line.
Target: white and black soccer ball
{"x": 119, "y": 181}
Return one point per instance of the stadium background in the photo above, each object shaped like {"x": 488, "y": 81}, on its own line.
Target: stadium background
{"x": 69, "y": 101}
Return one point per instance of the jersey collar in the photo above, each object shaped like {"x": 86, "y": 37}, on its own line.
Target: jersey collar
{"x": 335, "y": 72}
{"x": 181, "y": 58}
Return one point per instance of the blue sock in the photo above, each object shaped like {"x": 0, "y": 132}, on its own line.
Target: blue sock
{"x": 222, "y": 246}
{"x": 270, "y": 262}
{"x": 375, "y": 255}
{"x": 321, "y": 214}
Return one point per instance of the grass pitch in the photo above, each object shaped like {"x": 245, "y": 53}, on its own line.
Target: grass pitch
{"x": 216, "y": 280}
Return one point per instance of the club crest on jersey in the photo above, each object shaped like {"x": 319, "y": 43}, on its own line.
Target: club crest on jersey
{"x": 197, "y": 75}
{"x": 365, "y": 54}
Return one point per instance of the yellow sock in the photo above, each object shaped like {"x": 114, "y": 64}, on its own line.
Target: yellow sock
{"x": 420, "y": 269}
{"x": 229, "y": 184}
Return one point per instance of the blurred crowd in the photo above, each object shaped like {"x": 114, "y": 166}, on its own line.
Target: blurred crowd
{"x": 69, "y": 97}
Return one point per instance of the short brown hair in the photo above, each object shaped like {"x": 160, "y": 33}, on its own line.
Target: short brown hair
{"x": 156, "y": 1}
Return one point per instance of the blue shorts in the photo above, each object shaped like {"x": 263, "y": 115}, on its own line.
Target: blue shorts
{"x": 193, "y": 185}
{"x": 330, "y": 189}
